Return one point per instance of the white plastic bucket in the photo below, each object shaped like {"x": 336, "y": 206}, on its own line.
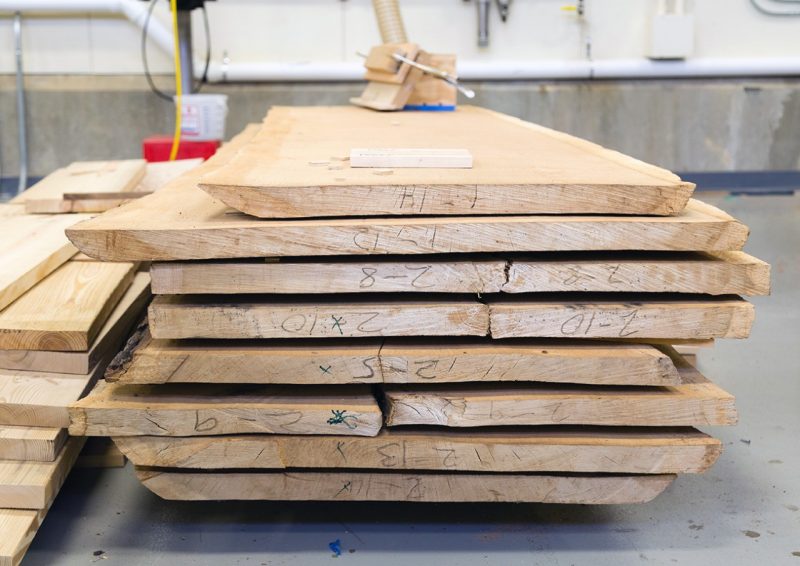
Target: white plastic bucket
{"x": 203, "y": 116}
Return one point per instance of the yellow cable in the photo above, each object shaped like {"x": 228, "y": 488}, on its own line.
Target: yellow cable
{"x": 176, "y": 137}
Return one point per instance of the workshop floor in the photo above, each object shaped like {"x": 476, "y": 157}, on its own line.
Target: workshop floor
{"x": 746, "y": 510}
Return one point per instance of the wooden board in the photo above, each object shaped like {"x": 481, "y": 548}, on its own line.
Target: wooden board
{"x": 18, "y": 526}
{"x": 65, "y": 311}
{"x": 334, "y": 275}
{"x": 252, "y": 316}
{"x": 658, "y": 272}
{"x": 695, "y": 402}
{"x": 11, "y": 209}
{"x": 391, "y": 361}
{"x": 622, "y": 316}
{"x": 561, "y": 449}
{"x": 31, "y": 247}
{"x": 38, "y": 444}
{"x": 115, "y": 409}
{"x": 32, "y": 398}
{"x": 33, "y": 485}
{"x": 543, "y": 316}
{"x": 111, "y": 336}
{"x": 180, "y": 222}
{"x": 398, "y": 486}
{"x": 81, "y": 180}
{"x": 519, "y": 168}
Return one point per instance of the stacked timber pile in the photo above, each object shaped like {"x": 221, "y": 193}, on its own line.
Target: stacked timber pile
{"x": 499, "y": 332}
{"x": 63, "y": 316}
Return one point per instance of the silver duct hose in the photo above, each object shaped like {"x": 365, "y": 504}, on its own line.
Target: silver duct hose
{"x": 390, "y": 22}
{"x": 21, "y": 124}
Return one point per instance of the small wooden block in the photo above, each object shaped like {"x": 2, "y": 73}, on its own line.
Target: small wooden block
{"x": 36, "y": 444}
{"x": 395, "y": 486}
{"x": 431, "y": 158}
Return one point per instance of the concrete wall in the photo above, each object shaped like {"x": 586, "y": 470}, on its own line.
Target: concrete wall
{"x": 333, "y": 30}
{"x": 681, "y": 125}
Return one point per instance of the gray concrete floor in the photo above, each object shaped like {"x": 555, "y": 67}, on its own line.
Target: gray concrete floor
{"x": 745, "y": 510}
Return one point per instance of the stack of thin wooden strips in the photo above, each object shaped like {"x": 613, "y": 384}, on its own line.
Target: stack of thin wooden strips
{"x": 499, "y": 333}
{"x": 63, "y": 316}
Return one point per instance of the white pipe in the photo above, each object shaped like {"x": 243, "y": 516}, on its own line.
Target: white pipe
{"x": 135, "y": 11}
{"x": 520, "y": 70}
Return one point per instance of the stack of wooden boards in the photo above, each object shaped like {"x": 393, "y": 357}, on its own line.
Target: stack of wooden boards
{"x": 499, "y": 333}
{"x": 63, "y": 316}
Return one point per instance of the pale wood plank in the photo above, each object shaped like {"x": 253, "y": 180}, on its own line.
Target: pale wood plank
{"x": 158, "y": 175}
{"x": 718, "y": 273}
{"x": 111, "y": 336}
{"x": 38, "y": 444}
{"x": 695, "y": 402}
{"x": 32, "y": 398}
{"x": 31, "y": 247}
{"x": 11, "y": 209}
{"x": 620, "y": 316}
{"x": 65, "y": 311}
{"x": 81, "y": 179}
{"x": 564, "y": 449}
{"x": 18, "y": 526}
{"x": 115, "y": 409}
{"x": 187, "y": 316}
{"x": 147, "y": 361}
{"x": 519, "y": 168}
{"x": 397, "y": 486}
{"x": 658, "y": 272}
{"x": 351, "y": 275}
{"x": 34, "y": 485}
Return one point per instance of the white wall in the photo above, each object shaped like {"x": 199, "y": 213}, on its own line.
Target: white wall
{"x": 333, "y": 30}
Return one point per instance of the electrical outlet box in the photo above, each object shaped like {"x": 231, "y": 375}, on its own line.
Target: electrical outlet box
{"x": 672, "y": 36}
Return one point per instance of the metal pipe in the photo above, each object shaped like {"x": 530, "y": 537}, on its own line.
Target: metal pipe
{"x": 185, "y": 37}
{"x": 390, "y": 21}
{"x": 483, "y": 23}
{"x": 22, "y": 126}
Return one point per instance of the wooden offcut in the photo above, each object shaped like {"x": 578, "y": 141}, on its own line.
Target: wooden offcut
{"x": 83, "y": 180}
{"x": 695, "y": 402}
{"x": 562, "y": 449}
{"x": 148, "y": 361}
{"x": 31, "y": 247}
{"x": 129, "y": 309}
{"x": 37, "y": 444}
{"x": 519, "y": 168}
{"x": 175, "y": 317}
{"x": 33, "y": 398}
{"x": 399, "y": 486}
{"x": 65, "y": 311}
{"x": 647, "y": 272}
{"x": 694, "y": 317}
{"x": 33, "y": 485}
{"x": 114, "y": 409}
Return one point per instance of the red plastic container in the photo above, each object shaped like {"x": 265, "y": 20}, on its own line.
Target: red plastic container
{"x": 157, "y": 148}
